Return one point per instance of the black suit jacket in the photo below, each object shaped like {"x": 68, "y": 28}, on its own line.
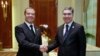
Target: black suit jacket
{"x": 27, "y": 42}
{"x": 73, "y": 45}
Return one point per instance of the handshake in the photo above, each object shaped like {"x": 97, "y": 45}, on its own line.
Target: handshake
{"x": 43, "y": 48}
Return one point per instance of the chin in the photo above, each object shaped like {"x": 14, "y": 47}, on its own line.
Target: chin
{"x": 30, "y": 21}
{"x": 67, "y": 22}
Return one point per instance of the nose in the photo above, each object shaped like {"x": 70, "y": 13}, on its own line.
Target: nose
{"x": 66, "y": 15}
{"x": 30, "y": 14}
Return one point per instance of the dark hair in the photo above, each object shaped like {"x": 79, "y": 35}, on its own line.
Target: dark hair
{"x": 69, "y": 8}
{"x": 28, "y": 8}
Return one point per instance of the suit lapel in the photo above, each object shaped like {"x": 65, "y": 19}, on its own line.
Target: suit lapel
{"x": 61, "y": 33}
{"x": 70, "y": 31}
{"x": 36, "y": 31}
{"x": 28, "y": 31}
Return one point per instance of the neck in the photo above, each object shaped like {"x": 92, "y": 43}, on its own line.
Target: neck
{"x": 30, "y": 22}
{"x": 67, "y": 22}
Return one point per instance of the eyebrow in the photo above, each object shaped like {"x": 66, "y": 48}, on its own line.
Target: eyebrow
{"x": 67, "y": 13}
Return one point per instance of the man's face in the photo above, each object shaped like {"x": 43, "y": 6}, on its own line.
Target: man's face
{"x": 30, "y": 15}
{"x": 67, "y": 16}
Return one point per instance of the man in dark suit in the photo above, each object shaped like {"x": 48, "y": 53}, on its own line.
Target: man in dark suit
{"x": 28, "y": 36}
{"x": 70, "y": 37}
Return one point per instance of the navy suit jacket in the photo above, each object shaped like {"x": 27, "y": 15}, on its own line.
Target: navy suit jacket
{"x": 73, "y": 45}
{"x": 28, "y": 42}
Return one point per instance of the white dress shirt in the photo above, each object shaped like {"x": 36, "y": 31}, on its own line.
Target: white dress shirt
{"x": 28, "y": 24}
{"x": 69, "y": 25}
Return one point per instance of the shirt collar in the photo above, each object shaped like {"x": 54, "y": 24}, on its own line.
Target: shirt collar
{"x": 28, "y": 24}
{"x": 69, "y": 24}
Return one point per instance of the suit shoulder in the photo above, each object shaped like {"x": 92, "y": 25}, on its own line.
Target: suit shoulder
{"x": 78, "y": 25}
{"x": 60, "y": 27}
{"x": 20, "y": 25}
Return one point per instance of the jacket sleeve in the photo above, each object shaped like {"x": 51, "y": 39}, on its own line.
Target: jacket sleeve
{"x": 20, "y": 36}
{"x": 82, "y": 41}
{"x": 54, "y": 44}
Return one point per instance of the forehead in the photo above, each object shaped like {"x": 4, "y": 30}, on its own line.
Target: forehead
{"x": 30, "y": 10}
{"x": 67, "y": 11}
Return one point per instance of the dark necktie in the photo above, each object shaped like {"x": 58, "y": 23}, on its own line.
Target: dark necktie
{"x": 32, "y": 29}
{"x": 66, "y": 32}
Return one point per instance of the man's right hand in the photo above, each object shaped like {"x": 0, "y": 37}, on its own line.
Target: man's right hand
{"x": 43, "y": 48}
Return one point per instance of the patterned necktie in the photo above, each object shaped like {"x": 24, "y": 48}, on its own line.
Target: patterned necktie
{"x": 32, "y": 29}
{"x": 66, "y": 32}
